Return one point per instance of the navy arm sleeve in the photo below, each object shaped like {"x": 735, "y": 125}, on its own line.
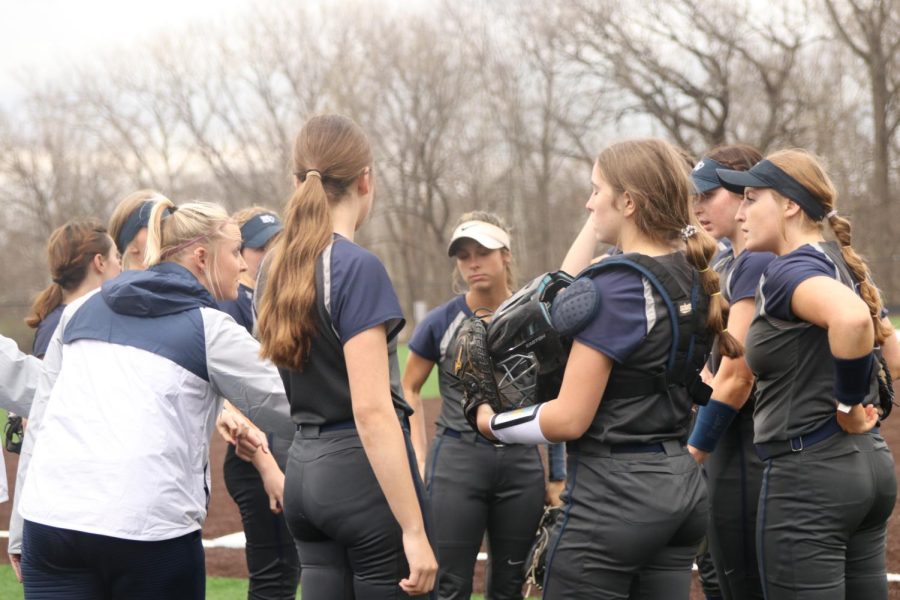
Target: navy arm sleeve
{"x": 362, "y": 293}
{"x": 784, "y": 274}
{"x": 621, "y": 322}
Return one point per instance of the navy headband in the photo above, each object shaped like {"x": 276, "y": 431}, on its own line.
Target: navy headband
{"x": 766, "y": 174}
{"x": 137, "y": 220}
{"x": 704, "y": 175}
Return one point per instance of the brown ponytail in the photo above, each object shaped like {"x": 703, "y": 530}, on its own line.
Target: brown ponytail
{"x": 657, "y": 178}
{"x": 70, "y": 250}
{"x": 330, "y": 153}
{"x": 808, "y": 171}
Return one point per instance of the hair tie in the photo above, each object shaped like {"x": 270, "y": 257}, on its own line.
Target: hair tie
{"x": 312, "y": 173}
{"x": 688, "y": 231}
{"x": 724, "y": 331}
{"x": 831, "y": 214}
{"x": 715, "y": 294}
{"x": 59, "y": 281}
{"x": 704, "y": 270}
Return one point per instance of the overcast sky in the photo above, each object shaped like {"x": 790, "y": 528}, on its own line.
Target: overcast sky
{"x": 37, "y": 37}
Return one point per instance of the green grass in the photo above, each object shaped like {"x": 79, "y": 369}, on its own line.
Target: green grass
{"x": 430, "y": 389}
{"x": 896, "y": 321}
{"x": 217, "y": 588}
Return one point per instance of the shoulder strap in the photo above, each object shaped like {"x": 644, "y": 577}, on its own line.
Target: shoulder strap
{"x": 687, "y": 310}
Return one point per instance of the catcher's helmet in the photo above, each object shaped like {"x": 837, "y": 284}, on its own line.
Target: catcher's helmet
{"x": 529, "y": 355}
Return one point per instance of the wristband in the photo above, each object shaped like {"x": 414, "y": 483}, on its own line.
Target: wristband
{"x": 520, "y": 426}
{"x": 852, "y": 379}
{"x": 712, "y": 421}
{"x": 556, "y": 457}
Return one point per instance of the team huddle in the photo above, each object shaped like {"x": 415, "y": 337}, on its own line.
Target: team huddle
{"x": 709, "y": 390}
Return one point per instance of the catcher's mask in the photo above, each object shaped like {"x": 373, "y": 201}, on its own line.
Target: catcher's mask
{"x": 529, "y": 355}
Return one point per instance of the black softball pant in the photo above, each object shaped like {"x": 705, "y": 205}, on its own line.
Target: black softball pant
{"x": 475, "y": 487}
{"x": 63, "y": 564}
{"x": 350, "y": 544}
{"x": 734, "y": 477}
{"x": 631, "y": 525}
{"x": 823, "y": 520}
{"x": 270, "y": 551}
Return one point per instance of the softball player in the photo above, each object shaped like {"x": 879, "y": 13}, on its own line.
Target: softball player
{"x": 734, "y": 472}
{"x": 635, "y": 501}
{"x": 270, "y": 552}
{"x": 828, "y": 486}
{"x": 474, "y": 486}
{"x": 123, "y": 413}
{"x": 329, "y": 318}
{"x": 82, "y": 256}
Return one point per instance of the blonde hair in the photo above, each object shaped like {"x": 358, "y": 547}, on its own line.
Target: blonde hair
{"x": 330, "y": 153}
{"x": 657, "y": 178}
{"x": 120, "y": 214}
{"x": 175, "y": 229}
{"x": 458, "y": 285}
{"x": 806, "y": 168}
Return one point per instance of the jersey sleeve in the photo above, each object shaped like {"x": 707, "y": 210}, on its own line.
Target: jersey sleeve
{"x": 362, "y": 294}
{"x": 426, "y": 338}
{"x": 782, "y": 277}
{"x": 621, "y": 320}
{"x": 747, "y": 274}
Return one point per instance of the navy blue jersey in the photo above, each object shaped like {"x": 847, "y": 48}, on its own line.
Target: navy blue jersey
{"x": 791, "y": 358}
{"x": 632, "y": 328}
{"x": 242, "y": 308}
{"x": 353, "y": 294}
{"x": 45, "y": 330}
{"x": 434, "y": 339}
{"x": 738, "y": 279}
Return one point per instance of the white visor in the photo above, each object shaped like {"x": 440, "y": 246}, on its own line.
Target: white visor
{"x": 488, "y": 235}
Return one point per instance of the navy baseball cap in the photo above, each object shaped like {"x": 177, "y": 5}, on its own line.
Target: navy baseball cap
{"x": 704, "y": 175}
{"x": 259, "y": 229}
{"x": 766, "y": 174}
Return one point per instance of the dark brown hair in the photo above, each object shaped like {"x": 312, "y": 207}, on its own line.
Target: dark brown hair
{"x": 70, "y": 250}
{"x": 737, "y": 157}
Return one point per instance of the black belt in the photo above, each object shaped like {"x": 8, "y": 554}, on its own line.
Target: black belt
{"x": 469, "y": 436}
{"x": 313, "y": 431}
{"x": 770, "y": 450}
{"x": 310, "y": 430}
{"x": 591, "y": 447}
{"x": 637, "y": 448}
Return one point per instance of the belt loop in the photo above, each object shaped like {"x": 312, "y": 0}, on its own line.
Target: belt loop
{"x": 309, "y": 431}
{"x": 798, "y": 440}
{"x": 673, "y": 447}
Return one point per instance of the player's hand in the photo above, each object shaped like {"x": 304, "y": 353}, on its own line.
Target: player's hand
{"x": 248, "y": 442}
{"x": 860, "y": 419}
{"x": 228, "y": 425}
{"x": 483, "y": 418}
{"x": 422, "y": 564}
{"x": 699, "y": 455}
{"x": 273, "y": 482}
{"x": 552, "y": 496}
{"x": 16, "y": 561}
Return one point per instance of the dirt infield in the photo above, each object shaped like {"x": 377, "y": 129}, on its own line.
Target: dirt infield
{"x": 224, "y": 517}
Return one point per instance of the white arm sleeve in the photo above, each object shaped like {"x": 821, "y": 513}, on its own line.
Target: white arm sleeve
{"x": 19, "y": 374}
{"x": 237, "y": 372}
{"x": 50, "y": 367}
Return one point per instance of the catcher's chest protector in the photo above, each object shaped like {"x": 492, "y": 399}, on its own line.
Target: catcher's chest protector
{"x": 687, "y": 307}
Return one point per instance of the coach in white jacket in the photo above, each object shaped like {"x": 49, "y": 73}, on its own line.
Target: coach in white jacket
{"x": 117, "y": 483}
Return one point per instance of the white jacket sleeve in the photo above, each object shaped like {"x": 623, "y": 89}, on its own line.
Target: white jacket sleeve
{"x": 19, "y": 375}
{"x": 50, "y": 367}
{"x": 237, "y": 372}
